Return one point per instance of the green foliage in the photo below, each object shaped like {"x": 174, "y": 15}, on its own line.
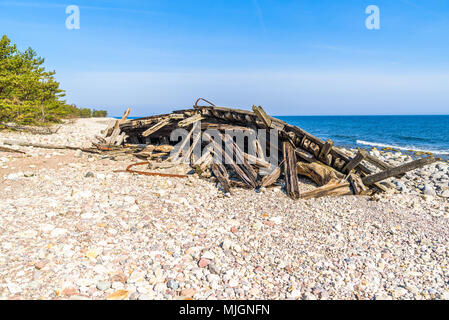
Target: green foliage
{"x": 99, "y": 113}
{"x": 85, "y": 113}
{"x": 28, "y": 93}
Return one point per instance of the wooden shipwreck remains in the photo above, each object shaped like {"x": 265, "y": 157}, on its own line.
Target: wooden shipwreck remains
{"x": 248, "y": 165}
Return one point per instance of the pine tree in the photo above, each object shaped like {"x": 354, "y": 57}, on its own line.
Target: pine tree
{"x": 29, "y": 93}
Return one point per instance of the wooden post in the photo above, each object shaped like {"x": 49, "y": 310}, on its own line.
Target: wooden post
{"x": 291, "y": 177}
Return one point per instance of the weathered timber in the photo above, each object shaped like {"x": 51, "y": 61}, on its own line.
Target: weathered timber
{"x": 305, "y": 156}
{"x": 258, "y": 162}
{"x": 357, "y": 184}
{"x": 392, "y": 172}
{"x": 291, "y": 177}
{"x": 190, "y": 120}
{"x": 325, "y": 150}
{"x": 354, "y": 161}
{"x": 31, "y": 129}
{"x": 319, "y": 173}
{"x": 116, "y": 131}
{"x": 329, "y": 190}
{"x": 222, "y": 176}
{"x": 181, "y": 149}
{"x": 230, "y": 161}
{"x": 156, "y": 127}
{"x": 271, "y": 179}
{"x": 262, "y": 115}
{"x": 4, "y": 149}
{"x": 47, "y": 146}
{"x": 241, "y": 161}
{"x": 379, "y": 163}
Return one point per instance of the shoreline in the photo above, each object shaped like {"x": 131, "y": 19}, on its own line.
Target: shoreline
{"x": 74, "y": 229}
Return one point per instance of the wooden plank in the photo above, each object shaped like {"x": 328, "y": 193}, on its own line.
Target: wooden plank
{"x": 190, "y": 120}
{"x": 371, "y": 179}
{"x": 331, "y": 189}
{"x": 4, "y": 149}
{"x": 291, "y": 177}
{"x": 116, "y": 131}
{"x": 271, "y": 178}
{"x": 196, "y": 141}
{"x": 156, "y": 127}
{"x": 230, "y": 161}
{"x": 355, "y": 161}
{"x": 262, "y": 115}
{"x": 379, "y": 163}
{"x": 222, "y": 176}
{"x": 175, "y": 156}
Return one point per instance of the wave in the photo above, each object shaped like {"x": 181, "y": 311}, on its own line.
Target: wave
{"x": 384, "y": 145}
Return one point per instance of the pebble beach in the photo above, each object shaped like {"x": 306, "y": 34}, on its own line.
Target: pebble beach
{"x": 72, "y": 228}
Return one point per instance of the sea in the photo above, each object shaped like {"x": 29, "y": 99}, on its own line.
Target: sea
{"x": 407, "y": 133}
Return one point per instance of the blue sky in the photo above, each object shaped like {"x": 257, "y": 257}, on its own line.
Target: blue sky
{"x": 291, "y": 57}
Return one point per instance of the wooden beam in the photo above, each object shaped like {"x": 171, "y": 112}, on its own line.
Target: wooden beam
{"x": 156, "y": 127}
{"x": 190, "y": 120}
{"x": 357, "y": 185}
{"x": 331, "y": 189}
{"x": 319, "y": 173}
{"x": 326, "y": 149}
{"x": 355, "y": 161}
{"x": 222, "y": 176}
{"x": 371, "y": 179}
{"x": 116, "y": 131}
{"x": 291, "y": 176}
{"x": 262, "y": 115}
{"x": 271, "y": 179}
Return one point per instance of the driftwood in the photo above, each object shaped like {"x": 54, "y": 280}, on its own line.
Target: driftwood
{"x": 271, "y": 178}
{"x": 369, "y": 180}
{"x": 48, "y": 146}
{"x": 156, "y": 127}
{"x": 291, "y": 176}
{"x": 357, "y": 185}
{"x": 31, "y": 129}
{"x": 116, "y": 131}
{"x": 319, "y": 173}
{"x": 222, "y": 176}
{"x": 4, "y": 149}
{"x": 329, "y": 190}
{"x": 247, "y": 165}
{"x": 355, "y": 161}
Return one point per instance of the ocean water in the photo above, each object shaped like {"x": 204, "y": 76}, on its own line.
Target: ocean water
{"x": 405, "y": 133}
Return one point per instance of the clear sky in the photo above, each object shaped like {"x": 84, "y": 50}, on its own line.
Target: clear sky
{"x": 293, "y": 57}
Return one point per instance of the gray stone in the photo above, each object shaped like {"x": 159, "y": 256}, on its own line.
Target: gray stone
{"x": 89, "y": 175}
{"x": 78, "y": 154}
{"x": 103, "y": 285}
{"x": 172, "y": 284}
{"x": 429, "y": 190}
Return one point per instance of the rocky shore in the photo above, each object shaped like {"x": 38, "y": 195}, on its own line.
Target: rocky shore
{"x": 71, "y": 228}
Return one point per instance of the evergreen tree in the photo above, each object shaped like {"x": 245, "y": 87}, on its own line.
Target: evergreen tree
{"x": 29, "y": 93}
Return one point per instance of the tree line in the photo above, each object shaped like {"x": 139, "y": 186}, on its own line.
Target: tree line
{"x": 29, "y": 94}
